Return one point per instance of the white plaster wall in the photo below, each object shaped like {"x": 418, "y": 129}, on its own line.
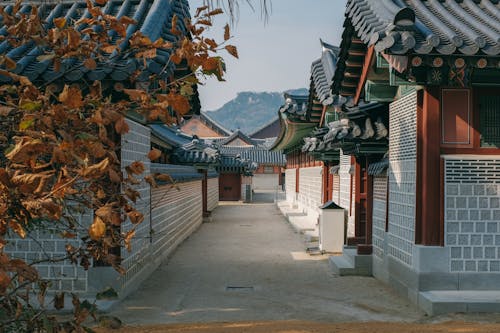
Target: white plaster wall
{"x": 266, "y": 181}
{"x": 290, "y": 182}
{"x": 212, "y": 193}
{"x": 310, "y": 189}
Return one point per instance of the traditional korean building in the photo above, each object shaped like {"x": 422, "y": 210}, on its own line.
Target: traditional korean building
{"x": 307, "y": 180}
{"x": 267, "y": 131}
{"x": 432, "y": 202}
{"x": 204, "y": 127}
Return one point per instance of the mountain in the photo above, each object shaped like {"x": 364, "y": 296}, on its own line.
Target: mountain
{"x": 250, "y": 110}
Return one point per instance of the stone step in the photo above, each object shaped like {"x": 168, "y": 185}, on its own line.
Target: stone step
{"x": 341, "y": 265}
{"x": 435, "y": 302}
{"x": 357, "y": 260}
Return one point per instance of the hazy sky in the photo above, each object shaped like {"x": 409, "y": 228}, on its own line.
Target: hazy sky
{"x": 275, "y": 56}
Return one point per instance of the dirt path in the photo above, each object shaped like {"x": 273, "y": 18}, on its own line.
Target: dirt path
{"x": 313, "y": 327}
{"x": 249, "y": 265}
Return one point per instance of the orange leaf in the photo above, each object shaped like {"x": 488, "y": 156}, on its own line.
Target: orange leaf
{"x": 136, "y": 95}
{"x": 71, "y": 97}
{"x": 9, "y": 63}
{"x": 216, "y": 11}
{"x": 101, "y": 2}
{"x": 210, "y": 64}
{"x": 17, "y": 228}
{"x": 60, "y": 22}
{"x": 121, "y": 126}
{"x": 154, "y": 154}
{"x": 135, "y": 217}
{"x": 128, "y": 238}
{"x": 127, "y": 20}
{"x": 136, "y": 168}
{"x": 232, "y": 50}
{"x": 108, "y": 48}
{"x": 90, "y": 63}
{"x": 96, "y": 170}
{"x": 97, "y": 229}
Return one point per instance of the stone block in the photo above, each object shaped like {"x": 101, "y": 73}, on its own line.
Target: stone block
{"x": 479, "y": 190}
{"x": 452, "y": 189}
{"x": 492, "y": 227}
{"x": 467, "y": 227}
{"x": 482, "y": 265}
{"x": 451, "y": 239}
{"x": 495, "y": 266}
{"x": 456, "y": 252}
{"x": 487, "y": 239}
{"x": 476, "y": 240}
{"x": 490, "y": 252}
{"x": 485, "y": 215}
{"x": 457, "y": 265}
{"x": 463, "y": 240}
{"x": 466, "y": 190}
{"x": 477, "y": 253}
{"x": 461, "y": 203}
{"x": 480, "y": 227}
{"x": 467, "y": 252}
{"x": 494, "y": 202}
{"x": 474, "y": 215}
{"x": 463, "y": 215}
{"x": 472, "y": 202}
{"x": 470, "y": 265}
{"x": 483, "y": 202}
{"x": 438, "y": 281}
{"x": 479, "y": 281}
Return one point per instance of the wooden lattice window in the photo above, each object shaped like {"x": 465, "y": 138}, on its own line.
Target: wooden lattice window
{"x": 489, "y": 121}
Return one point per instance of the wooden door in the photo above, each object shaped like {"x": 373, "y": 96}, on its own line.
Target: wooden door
{"x": 364, "y": 202}
{"x": 230, "y": 187}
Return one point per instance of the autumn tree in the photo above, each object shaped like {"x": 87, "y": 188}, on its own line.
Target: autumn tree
{"x": 59, "y": 145}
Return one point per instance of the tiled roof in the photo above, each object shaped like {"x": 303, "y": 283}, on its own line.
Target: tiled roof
{"x": 154, "y": 19}
{"x": 196, "y": 152}
{"x": 378, "y": 167}
{"x": 295, "y": 105}
{"x": 179, "y": 173}
{"x": 214, "y": 124}
{"x": 468, "y": 27}
{"x": 322, "y": 71}
{"x": 170, "y": 135}
{"x": 237, "y": 134}
{"x": 238, "y": 163}
{"x": 363, "y": 123}
{"x": 260, "y": 156}
{"x": 272, "y": 123}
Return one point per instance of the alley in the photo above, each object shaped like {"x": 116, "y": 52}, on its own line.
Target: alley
{"x": 249, "y": 264}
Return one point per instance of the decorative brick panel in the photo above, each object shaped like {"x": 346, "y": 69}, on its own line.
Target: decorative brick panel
{"x": 472, "y": 214}
{"x": 379, "y": 213}
{"x": 345, "y": 191}
{"x": 336, "y": 189}
{"x": 310, "y": 188}
{"x": 212, "y": 193}
{"x": 402, "y": 177}
{"x": 290, "y": 182}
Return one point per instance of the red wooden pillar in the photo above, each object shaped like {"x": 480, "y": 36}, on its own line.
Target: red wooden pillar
{"x": 428, "y": 207}
{"x": 325, "y": 186}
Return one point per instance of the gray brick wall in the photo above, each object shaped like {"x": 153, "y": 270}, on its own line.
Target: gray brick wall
{"x": 212, "y": 193}
{"x": 176, "y": 213}
{"x": 310, "y": 188}
{"x": 472, "y": 214}
{"x": 135, "y": 146}
{"x": 402, "y": 177}
{"x": 379, "y": 214}
{"x": 290, "y": 183}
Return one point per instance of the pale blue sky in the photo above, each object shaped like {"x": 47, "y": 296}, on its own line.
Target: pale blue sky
{"x": 275, "y": 56}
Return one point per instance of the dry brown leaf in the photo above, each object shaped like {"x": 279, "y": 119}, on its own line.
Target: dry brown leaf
{"x": 97, "y": 229}
{"x": 121, "y": 126}
{"x": 71, "y": 97}
{"x": 232, "y": 50}
{"x": 227, "y": 33}
{"x": 90, "y": 63}
{"x": 60, "y": 22}
{"x": 96, "y": 170}
{"x": 154, "y": 154}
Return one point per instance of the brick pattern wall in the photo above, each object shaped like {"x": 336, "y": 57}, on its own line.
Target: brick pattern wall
{"x": 176, "y": 213}
{"x": 472, "y": 214}
{"x": 290, "y": 175}
{"x": 336, "y": 189}
{"x": 402, "y": 177}
{"x": 212, "y": 193}
{"x": 310, "y": 188}
{"x": 379, "y": 214}
{"x": 46, "y": 244}
{"x": 346, "y": 190}
{"x": 135, "y": 146}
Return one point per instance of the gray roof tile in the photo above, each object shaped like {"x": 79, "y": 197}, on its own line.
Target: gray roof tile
{"x": 425, "y": 26}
